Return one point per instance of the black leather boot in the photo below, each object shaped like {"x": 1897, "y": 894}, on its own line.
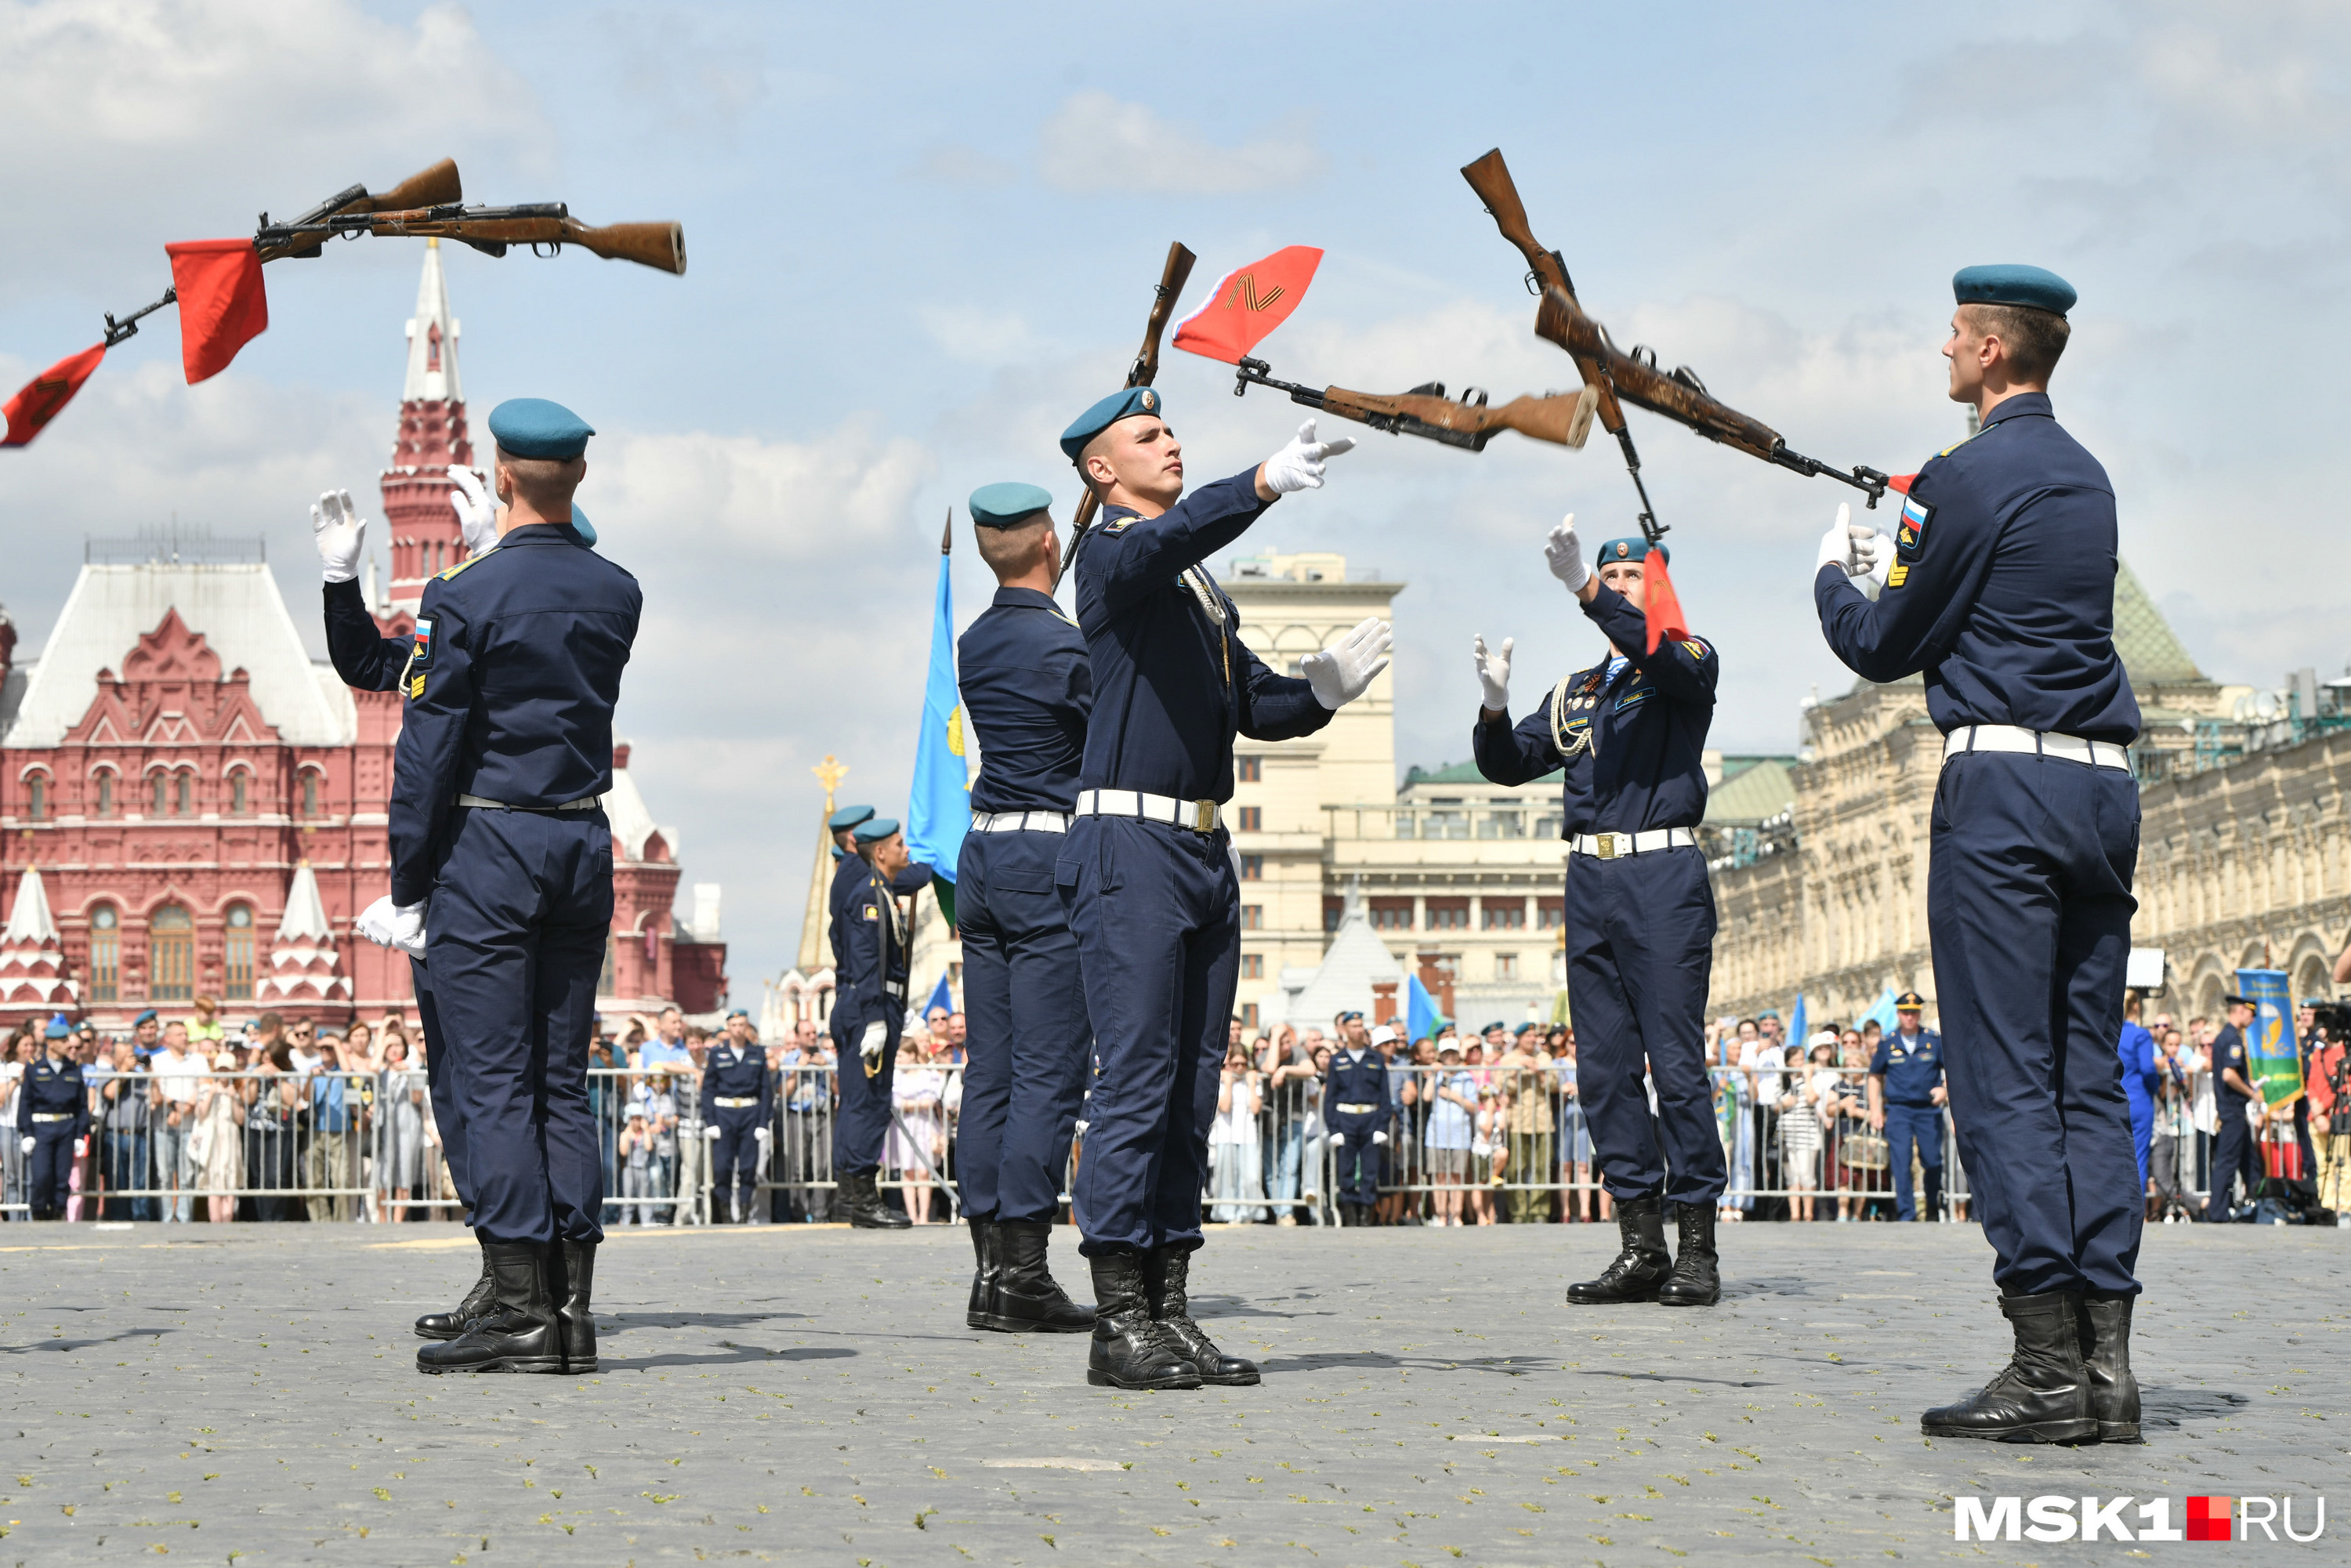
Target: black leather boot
{"x": 570, "y": 1281}
{"x": 1642, "y": 1267}
{"x": 1027, "y": 1300}
{"x": 1167, "y": 1275}
{"x": 2042, "y": 1395}
{"x": 984, "y": 1275}
{"x": 450, "y": 1324}
{"x": 519, "y": 1333}
{"x": 1930, "y": 1209}
{"x": 862, "y": 1207}
{"x": 2105, "y": 1324}
{"x": 1128, "y": 1350}
{"x": 1694, "y": 1281}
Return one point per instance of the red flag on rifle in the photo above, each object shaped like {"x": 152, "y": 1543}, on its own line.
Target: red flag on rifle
{"x": 1248, "y": 303}
{"x": 40, "y": 400}
{"x": 222, "y": 305}
{"x": 1660, "y": 605}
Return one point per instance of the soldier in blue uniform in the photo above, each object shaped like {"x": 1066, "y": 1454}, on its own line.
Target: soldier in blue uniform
{"x": 738, "y": 1105}
{"x": 1998, "y": 586}
{"x": 502, "y": 876}
{"x": 1630, "y": 732}
{"x": 1356, "y": 1108}
{"x": 1147, "y": 873}
{"x": 1027, "y": 688}
{"x": 869, "y": 1014}
{"x": 2232, "y": 1134}
{"x": 52, "y": 1117}
{"x": 1906, "y": 1103}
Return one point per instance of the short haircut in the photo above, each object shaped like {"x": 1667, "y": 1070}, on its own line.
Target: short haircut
{"x": 1008, "y": 551}
{"x": 547, "y": 483}
{"x": 2033, "y": 340}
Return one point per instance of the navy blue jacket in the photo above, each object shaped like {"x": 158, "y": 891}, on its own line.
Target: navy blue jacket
{"x": 1912, "y": 1072}
{"x": 736, "y": 1072}
{"x": 1362, "y": 1083}
{"x": 869, "y": 952}
{"x": 1639, "y": 738}
{"x": 364, "y": 658}
{"x": 2002, "y": 588}
{"x": 510, "y": 688}
{"x": 53, "y": 1088}
{"x": 1026, "y": 689}
{"x": 1172, "y": 686}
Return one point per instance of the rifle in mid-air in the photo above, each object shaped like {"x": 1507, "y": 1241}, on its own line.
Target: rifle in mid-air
{"x": 545, "y": 227}
{"x": 1143, "y": 372}
{"x": 1615, "y": 378}
{"x": 1466, "y": 421}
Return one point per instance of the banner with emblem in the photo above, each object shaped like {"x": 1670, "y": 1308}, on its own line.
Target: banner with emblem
{"x": 2272, "y": 1060}
{"x": 938, "y": 809}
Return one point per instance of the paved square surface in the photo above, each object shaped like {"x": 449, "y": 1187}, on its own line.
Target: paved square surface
{"x": 797, "y": 1394}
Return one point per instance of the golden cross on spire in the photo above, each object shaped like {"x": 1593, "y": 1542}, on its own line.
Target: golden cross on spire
{"x": 829, "y": 773}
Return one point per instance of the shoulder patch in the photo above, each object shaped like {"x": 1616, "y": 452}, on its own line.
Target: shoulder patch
{"x": 1696, "y": 647}
{"x": 415, "y": 688}
{"x": 1911, "y": 528}
{"x": 1118, "y": 525}
{"x": 448, "y": 572}
{"x": 420, "y": 647}
{"x": 1897, "y": 574}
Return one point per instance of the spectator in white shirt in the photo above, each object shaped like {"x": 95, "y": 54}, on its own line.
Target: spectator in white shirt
{"x": 175, "y": 1073}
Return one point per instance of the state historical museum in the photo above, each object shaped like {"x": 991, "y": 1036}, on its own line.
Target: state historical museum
{"x": 191, "y": 803}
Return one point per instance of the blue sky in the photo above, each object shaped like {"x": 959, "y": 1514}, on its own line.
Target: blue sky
{"x": 921, "y": 237}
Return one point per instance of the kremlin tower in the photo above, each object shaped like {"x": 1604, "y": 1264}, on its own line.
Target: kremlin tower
{"x": 417, "y": 512}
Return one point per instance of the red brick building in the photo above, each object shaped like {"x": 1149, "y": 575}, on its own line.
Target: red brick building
{"x": 191, "y": 803}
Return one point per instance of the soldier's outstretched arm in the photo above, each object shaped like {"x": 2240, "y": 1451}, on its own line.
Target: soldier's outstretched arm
{"x": 1128, "y": 558}
{"x": 364, "y": 658}
{"x": 438, "y": 698}
{"x": 1685, "y": 668}
{"x": 1274, "y": 708}
{"x": 1943, "y": 552}
{"x": 1510, "y": 755}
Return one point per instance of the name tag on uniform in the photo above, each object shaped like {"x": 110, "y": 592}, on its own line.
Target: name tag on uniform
{"x": 1635, "y": 695}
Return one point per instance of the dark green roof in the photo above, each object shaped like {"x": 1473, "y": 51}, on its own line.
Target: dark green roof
{"x": 1457, "y": 773}
{"x": 2150, "y": 650}
{"x": 1759, "y": 789}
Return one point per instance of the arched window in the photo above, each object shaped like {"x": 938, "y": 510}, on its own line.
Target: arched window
{"x": 105, "y": 952}
{"x": 238, "y": 980}
{"x": 162, "y": 793}
{"x": 36, "y": 796}
{"x": 309, "y": 792}
{"x": 171, "y": 954}
{"x": 240, "y": 798}
{"x": 106, "y": 792}
{"x": 182, "y": 792}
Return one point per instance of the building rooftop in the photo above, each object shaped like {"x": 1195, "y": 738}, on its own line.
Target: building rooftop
{"x": 1753, "y": 790}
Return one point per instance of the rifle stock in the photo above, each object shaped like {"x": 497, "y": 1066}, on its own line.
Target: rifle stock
{"x": 1143, "y": 372}
{"x": 1489, "y": 177}
{"x": 437, "y": 186}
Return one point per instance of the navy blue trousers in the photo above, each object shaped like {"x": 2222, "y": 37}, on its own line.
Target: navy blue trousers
{"x": 1907, "y": 1125}
{"x": 1359, "y": 1160}
{"x": 734, "y": 1161}
{"x": 48, "y": 1170}
{"x": 2029, "y": 908}
{"x": 864, "y": 1118}
{"x": 1157, "y": 915}
{"x": 1640, "y": 951}
{"x": 2232, "y": 1153}
{"x": 1028, "y": 1037}
{"x": 515, "y": 940}
{"x": 441, "y": 1070}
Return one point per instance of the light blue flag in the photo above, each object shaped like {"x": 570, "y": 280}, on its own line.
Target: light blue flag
{"x": 938, "y": 811}
{"x": 942, "y": 996}
{"x": 1796, "y": 1023}
{"x": 1420, "y": 1014}
{"x": 1882, "y": 1014}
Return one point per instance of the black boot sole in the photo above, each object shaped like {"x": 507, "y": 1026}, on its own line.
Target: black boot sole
{"x": 1620, "y": 1299}
{"x": 998, "y": 1323}
{"x": 1233, "y": 1380}
{"x": 2119, "y": 1432}
{"x": 858, "y": 1222}
{"x": 500, "y": 1364}
{"x": 2063, "y": 1433}
{"x": 1706, "y": 1300}
{"x": 1174, "y": 1381}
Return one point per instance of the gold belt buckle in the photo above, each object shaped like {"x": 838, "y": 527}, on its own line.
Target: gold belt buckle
{"x": 1204, "y": 816}
{"x": 1608, "y": 845}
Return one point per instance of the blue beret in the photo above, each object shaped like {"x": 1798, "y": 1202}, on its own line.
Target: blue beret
{"x": 534, "y": 427}
{"x": 847, "y": 817}
{"x": 874, "y": 831}
{"x": 1618, "y": 550}
{"x": 2036, "y": 288}
{"x": 147, "y": 1017}
{"x": 1001, "y": 505}
{"x": 1119, "y": 405}
{"x": 59, "y": 1029}
{"x": 738, "y": 1013}
{"x": 582, "y": 527}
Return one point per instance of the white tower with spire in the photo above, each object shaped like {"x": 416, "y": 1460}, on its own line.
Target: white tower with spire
{"x": 302, "y": 967}
{"x": 425, "y": 537}
{"x": 32, "y": 959}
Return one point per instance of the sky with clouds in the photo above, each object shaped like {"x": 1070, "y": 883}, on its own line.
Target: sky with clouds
{"x": 923, "y": 236}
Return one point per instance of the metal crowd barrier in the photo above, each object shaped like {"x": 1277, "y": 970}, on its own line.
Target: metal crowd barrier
{"x": 1476, "y": 1143}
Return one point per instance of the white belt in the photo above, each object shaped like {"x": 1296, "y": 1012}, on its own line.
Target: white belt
{"x": 894, "y": 990}
{"x": 736, "y": 1102}
{"x": 1019, "y": 821}
{"x": 52, "y": 1116}
{"x": 585, "y": 803}
{"x": 1199, "y": 816}
{"x": 1970, "y": 738}
{"x": 1361, "y": 1110}
{"x": 1649, "y": 841}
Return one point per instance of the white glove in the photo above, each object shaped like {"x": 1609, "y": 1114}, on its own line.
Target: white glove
{"x": 1378, "y": 1139}
{"x": 477, "y": 509}
{"x": 29, "y": 1142}
{"x": 1494, "y": 674}
{"x": 375, "y": 922}
{"x": 1338, "y": 1140}
{"x": 1564, "y": 553}
{"x": 1872, "y": 555}
{"x": 408, "y": 929}
{"x": 1836, "y": 545}
{"x": 711, "y": 1134}
{"x": 340, "y": 534}
{"x": 1346, "y": 670}
{"x": 877, "y": 1035}
{"x": 1299, "y": 465}
{"x": 761, "y": 1135}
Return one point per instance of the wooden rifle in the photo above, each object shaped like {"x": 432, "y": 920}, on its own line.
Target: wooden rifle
{"x": 1141, "y": 373}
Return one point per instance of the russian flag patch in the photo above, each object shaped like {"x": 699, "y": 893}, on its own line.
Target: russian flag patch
{"x": 1910, "y": 530}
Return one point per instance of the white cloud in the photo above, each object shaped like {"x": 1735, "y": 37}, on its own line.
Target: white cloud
{"x": 952, "y": 165}
{"x": 1096, "y": 143}
{"x": 979, "y": 335}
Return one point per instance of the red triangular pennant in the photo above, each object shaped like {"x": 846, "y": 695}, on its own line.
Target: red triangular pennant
{"x": 222, "y": 305}
{"x": 1247, "y": 303}
{"x": 41, "y": 399}
{"x": 1660, "y": 605}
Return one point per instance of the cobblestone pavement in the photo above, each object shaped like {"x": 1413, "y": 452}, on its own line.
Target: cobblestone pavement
{"x": 804, "y": 1394}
